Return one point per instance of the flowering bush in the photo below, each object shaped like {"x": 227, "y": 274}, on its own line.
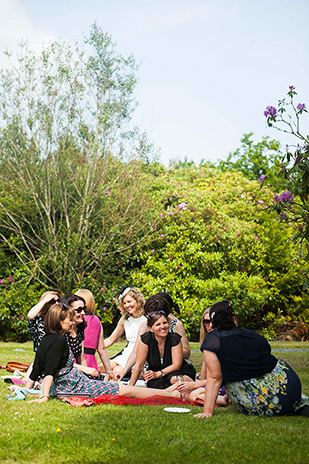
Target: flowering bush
{"x": 222, "y": 246}
{"x": 292, "y": 205}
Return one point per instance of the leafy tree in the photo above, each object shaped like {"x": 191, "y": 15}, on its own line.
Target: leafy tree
{"x": 256, "y": 159}
{"x": 74, "y": 192}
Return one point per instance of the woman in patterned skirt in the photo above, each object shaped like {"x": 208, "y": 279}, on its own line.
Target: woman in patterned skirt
{"x": 255, "y": 381}
{"x": 61, "y": 378}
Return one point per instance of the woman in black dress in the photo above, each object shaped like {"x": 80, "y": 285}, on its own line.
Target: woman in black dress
{"x": 163, "y": 352}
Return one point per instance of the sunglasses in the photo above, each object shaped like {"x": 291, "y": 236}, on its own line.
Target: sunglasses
{"x": 80, "y": 309}
{"x": 154, "y": 313}
{"x": 206, "y": 321}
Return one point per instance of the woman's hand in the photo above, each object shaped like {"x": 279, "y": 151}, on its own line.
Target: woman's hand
{"x": 203, "y": 415}
{"x": 120, "y": 374}
{"x": 151, "y": 375}
{"x": 110, "y": 376}
{"x": 183, "y": 387}
{"x": 91, "y": 371}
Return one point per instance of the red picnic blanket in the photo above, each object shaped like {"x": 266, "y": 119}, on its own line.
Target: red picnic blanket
{"x": 123, "y": 400}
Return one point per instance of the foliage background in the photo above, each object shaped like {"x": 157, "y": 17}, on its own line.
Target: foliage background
{"x": 84, "y": 203}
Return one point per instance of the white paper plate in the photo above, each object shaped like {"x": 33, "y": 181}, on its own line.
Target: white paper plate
{"x": 177, "y": 410}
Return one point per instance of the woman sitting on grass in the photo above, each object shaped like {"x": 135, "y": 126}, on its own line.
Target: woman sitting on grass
{"x": 258, "y": 383}
{"x": 163, "y": 352}
{"x": 131, "y": 305}
{"x": 93, "y": 335}
{"x": 159, "y": 302}
{"x": 54, "y": 359}
{"x": 36, "y": 315}
{"x": 195, "y": 391}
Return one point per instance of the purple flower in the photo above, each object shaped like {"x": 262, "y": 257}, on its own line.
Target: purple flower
{"x": 256, "y": 237}
{"x": 291, "y": 87}
{"x": 153, "y": 250}
{"x": 301, "y": 107}
{"x": 286, "y": 196}
{"x": 276, "y": 198}
{"x": 207, "y": 267}
{"x": 104, "y": 308}
{"x": 270, "y": 111}
{"x": 260, "y": 202}
{"x": 101, "y": 289}
{"x": 108, "y": 192}
{"x": 182, "y": 206}
{"x": 162, "y": 235}
{"x": 170, "y": 213}
{"x": 2, "y": 281}
{"x": 11, "y": 278}
{"x": 261, "y": 178}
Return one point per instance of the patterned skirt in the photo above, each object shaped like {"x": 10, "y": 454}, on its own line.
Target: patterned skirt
{"x": 275, "y": 393}
{"x": 70, "y": 382}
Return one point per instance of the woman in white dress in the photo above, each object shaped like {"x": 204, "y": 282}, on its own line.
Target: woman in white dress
{"x": 131, "y": 305}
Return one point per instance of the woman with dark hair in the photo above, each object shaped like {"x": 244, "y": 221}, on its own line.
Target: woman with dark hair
{"x": 159, "y": 302}
{"x": 163, "y": 352}
{"x": 93, "y": 333}
{"x": 257, "y": 382}
{"x": 75, "y": 336}
{"x": 36, "y": 315}
{"x": 55, "y": 360}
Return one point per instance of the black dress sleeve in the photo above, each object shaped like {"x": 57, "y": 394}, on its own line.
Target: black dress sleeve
{"x": 54, "y": 356}
{"x": 147, "y": 338}
{"x": 175, "y": 338}
{"x": 211, "y": 342}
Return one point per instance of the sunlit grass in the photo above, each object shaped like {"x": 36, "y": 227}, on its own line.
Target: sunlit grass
{"x": 29, "y": 433}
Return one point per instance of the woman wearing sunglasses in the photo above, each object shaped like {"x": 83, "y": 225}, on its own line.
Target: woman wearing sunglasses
{"x": 163, "y": 352}
{"x": 55, "y": 360}
{"x": 195, "y": 391}
{"x": 75, "y": 336}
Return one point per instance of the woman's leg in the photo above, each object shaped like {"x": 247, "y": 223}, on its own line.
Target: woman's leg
{"x": 142, "y": 392}
{"x": 184, "y": 378}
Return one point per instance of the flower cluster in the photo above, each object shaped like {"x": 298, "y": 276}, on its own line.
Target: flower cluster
{"x": 261, "y": 178}
{"x": 270, "y": 111}
{"x": 286, "y": 196}
{"x": 182, "y": 206}
{"x": 301, "y": 107}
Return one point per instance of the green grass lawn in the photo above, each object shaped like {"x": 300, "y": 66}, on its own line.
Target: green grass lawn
{"x": 147, "y": 434}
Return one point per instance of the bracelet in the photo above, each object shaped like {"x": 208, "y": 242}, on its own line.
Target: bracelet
{"x": 44, "y": 396}
{"x": 162, "y": 374}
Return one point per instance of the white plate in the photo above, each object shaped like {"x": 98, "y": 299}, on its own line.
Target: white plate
{"x": 177, "y": 410}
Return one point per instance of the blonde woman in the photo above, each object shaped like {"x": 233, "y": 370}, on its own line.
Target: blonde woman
{"x": 195, "y": 391}
{"x": 131, "y": 305}
{"x": 93, "y": 335}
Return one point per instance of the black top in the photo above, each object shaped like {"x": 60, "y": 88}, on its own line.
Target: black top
{"x": 153, "y": 357}
{"x": 243, "y": 354}
{"x": 51, "y": 356}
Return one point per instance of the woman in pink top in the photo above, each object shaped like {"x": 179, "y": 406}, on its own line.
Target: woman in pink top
{"x": 93, "y": 332}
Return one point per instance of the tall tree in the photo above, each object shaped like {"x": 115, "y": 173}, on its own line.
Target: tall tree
{"x": 73, "y": 199}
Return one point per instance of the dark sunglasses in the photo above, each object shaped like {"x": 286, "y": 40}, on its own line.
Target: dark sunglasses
{"x": 80, "y": 309}
{"x": 206, "y": 321}
{"x": 154, "y": 313}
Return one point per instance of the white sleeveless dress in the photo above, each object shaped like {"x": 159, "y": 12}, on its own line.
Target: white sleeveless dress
{"x": 131, "y": 327}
